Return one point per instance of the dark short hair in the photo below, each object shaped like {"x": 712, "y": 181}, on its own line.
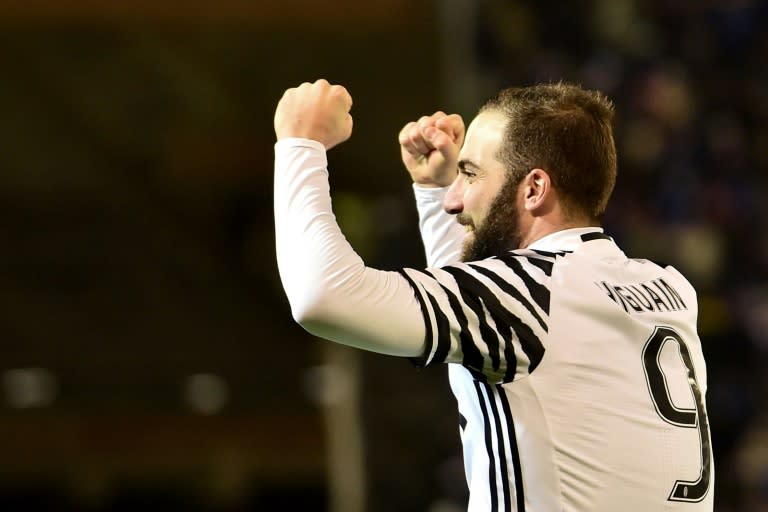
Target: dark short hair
{"x": 565, "y": 130}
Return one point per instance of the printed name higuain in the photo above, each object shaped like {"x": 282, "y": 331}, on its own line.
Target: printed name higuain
{"x": 655, "y": 295}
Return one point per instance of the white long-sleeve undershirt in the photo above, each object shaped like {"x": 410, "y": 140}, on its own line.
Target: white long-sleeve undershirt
{"x": 331, "y": 292}
{"x": 443, "y": 237}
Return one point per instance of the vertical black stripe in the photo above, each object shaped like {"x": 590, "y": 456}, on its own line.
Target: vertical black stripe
{"x": 538, "y": 292}
{"x": 518, "y": 470}
{"x": 427, "y": 321}
{"x": 488, "y": 448}
{"x": 502, "y": 449}
{"x": 529, "y": 341}
{"x": 472, "y": 293}
{"x": 443, "y": 331}
{"x": 473, "y": 359}
{"x": 503, "y": 327}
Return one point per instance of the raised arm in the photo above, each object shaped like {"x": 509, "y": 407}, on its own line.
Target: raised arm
{"x": 331, "y": 292}
{"x": 477, "y": 314}
{"x": 430, "y": 149}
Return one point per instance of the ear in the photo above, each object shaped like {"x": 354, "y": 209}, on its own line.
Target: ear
{"x": 537, "y": 190}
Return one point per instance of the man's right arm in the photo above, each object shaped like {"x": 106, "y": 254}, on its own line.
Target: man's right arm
{"x": 442, "y": 236}
{"x": 430, "y": 149}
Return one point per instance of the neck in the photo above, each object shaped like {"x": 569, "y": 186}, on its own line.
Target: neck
{"x": 543, "y": 226}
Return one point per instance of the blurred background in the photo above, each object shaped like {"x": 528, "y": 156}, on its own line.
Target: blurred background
{"x": 148, "y": 357}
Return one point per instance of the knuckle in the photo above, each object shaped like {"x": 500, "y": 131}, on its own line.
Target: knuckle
{"x": 405, "y": 134}
{"x": 339, "y": 91}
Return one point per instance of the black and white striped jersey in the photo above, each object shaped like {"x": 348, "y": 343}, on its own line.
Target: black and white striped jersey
{"x": 580, "y": 379}
{"x": 490, "y": 316}
{"x": 578, "y": 372}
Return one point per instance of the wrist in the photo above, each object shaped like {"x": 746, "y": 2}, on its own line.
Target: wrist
{"x": 296, "y": 142}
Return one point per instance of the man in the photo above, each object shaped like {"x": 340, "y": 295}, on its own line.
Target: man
{"x": 578, "y": 372}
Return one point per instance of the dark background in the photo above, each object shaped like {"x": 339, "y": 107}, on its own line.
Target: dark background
{"x": 148, "y": 355}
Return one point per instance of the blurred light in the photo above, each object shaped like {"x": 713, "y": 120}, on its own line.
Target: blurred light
{"x": 753, "y": 309}
{"x": 205, "y": 393}
{"x": 327, "y": 385}
{"x": 700, "y": 251}
{"x": 29, "y": 387}
{"x": 643, "y": 143}
{"x": 445, "y": 506}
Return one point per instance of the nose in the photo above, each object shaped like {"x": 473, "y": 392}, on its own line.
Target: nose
{"x": 453, "y": 202}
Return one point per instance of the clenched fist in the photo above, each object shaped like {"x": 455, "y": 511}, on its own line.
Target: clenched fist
{"x": 430, "y": 148}
{"x": 317, "y": 111}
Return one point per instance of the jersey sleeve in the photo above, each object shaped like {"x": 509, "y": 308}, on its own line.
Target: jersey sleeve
{"x": 331, "y": 292}
{"x": 489, "y": 316}
{"x": 442, "y": 236}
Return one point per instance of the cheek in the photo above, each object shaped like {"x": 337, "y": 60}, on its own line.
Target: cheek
{"x": 477, "y": 203}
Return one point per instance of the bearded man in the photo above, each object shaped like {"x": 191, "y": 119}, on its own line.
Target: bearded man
{"x": 578, "y": 371}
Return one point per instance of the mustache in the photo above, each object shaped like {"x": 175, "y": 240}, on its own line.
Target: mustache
{"x": 464, "y": 220}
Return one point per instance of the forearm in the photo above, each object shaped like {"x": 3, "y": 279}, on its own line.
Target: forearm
{"x": 441, "y": 234}
{"x": 331, "y": 292}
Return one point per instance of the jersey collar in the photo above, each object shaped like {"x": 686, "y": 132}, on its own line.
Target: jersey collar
{"x": 567, "y": 239}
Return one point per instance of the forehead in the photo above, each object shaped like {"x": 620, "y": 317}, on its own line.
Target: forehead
{"x": 484, "y": 135}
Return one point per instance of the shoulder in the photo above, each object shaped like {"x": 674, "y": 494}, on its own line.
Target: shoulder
{"x": 672, "y": 272}
{"x": 531, "y": 261}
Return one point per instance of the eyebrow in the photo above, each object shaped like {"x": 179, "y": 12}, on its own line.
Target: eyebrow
{"x": 464, "y": 163}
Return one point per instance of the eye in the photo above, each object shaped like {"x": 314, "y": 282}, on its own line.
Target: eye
{"x": 468, "y": 175}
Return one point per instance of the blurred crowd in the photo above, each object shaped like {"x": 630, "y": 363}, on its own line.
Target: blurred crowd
{"x": 142, "y": 233}
{"x": 690, "y": 83}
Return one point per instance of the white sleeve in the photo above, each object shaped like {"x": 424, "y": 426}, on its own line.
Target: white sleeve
{"x": 442, "y": 236}
{"x": 331, "y": 292}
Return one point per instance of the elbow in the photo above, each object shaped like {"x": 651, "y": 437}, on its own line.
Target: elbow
{"x": 310, "y": 310}
{"x": 304, "y": 314}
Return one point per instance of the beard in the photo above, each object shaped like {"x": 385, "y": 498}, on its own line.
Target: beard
{"x": 499, "y": 232}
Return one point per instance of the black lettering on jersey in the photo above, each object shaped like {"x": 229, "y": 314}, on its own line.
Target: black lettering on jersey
{"x": 654, "y": 296}
{"x": 675, "y": 296}
{"x": 628, "y": 297}
{"x": 666, "y": 295}
{"x": 641, "y": 297}
{"x": 615, "y": 297}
